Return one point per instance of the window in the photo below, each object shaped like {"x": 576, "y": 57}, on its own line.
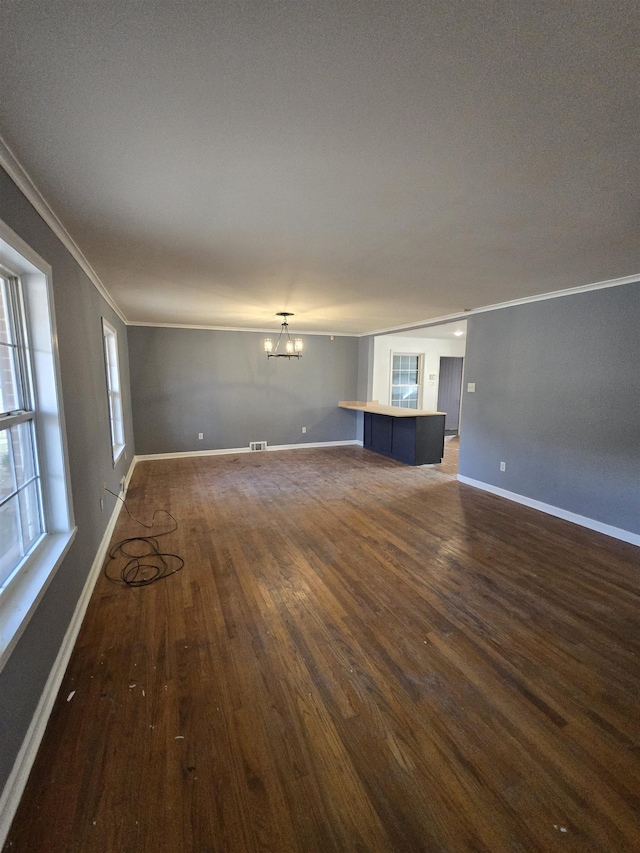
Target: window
{"x": 21, "y": 519}
{"x": 36, "y": 516}
{"x": 113, "y": 389}
{"x": 405, "y": 381}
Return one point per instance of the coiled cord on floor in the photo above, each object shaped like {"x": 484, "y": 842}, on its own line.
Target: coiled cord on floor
{"x": 135, "y": 572}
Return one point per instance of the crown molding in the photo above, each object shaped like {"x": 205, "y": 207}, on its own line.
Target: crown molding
{"x": 525, "y": 300}
{"x": 273, "y": 330}
{"x": 408, "y": 327}
{"x": 556, "y": 294}
{"x": 19, "y": 175}
{"x": 420, "y": 324}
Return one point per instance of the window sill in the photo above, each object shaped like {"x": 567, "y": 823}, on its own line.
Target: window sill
{"x": 22, "y": 594}
{"x": 118, "y": 450}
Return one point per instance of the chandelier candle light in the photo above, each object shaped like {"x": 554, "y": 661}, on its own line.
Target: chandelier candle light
{"x": 292, "y": 348}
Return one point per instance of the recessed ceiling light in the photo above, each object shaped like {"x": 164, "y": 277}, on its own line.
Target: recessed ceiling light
{"x": 458, "y": 333}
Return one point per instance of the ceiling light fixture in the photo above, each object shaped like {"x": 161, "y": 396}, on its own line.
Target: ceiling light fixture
{"x": 459, "y": 333}
{"x": 292, "y": 348}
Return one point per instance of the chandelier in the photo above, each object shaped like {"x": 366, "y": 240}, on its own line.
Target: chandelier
{"x": 292, "y": 348}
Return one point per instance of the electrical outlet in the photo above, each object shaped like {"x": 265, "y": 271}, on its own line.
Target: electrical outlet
{"x": 503, "y": 466}
{"x": 101, "y": 504}
{"x": 200, "y": 436}
{"x": 471, "y": 387}
{"x": 104, "y": 487}
{"x": 304, "y": 429}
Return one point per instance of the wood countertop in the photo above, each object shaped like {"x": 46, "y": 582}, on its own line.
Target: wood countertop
{"x": 393, "y": 411}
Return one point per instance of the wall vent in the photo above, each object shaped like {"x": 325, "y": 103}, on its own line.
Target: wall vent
{"x": 257, "y": 445}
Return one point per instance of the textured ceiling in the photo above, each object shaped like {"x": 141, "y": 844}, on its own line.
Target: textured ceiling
{"x": 363, "y": 165}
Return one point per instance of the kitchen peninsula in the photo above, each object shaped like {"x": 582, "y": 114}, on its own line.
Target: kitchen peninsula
{"x": 413, "y": 436}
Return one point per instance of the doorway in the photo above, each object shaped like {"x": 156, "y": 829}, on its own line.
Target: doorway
{"x": 449, "y": 392}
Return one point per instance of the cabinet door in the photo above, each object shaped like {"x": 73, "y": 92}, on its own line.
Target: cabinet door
{"x": 381, "y": 432}
{"x": 404, "y": 439}
{"x": 429, "y": 440}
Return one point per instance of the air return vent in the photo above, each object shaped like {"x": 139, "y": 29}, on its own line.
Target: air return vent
{"x": 257, "y": 445}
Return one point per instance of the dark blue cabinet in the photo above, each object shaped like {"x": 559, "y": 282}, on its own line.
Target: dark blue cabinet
{"x": 417, "y": 440}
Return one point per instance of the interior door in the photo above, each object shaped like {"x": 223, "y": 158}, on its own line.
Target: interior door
{"x": 449, "y": 390}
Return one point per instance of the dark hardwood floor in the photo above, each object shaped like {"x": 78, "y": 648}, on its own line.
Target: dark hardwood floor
{"x": 357, "y": 656}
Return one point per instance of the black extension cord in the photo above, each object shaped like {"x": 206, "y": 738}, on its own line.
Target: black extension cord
{"x": 138, "y": 573}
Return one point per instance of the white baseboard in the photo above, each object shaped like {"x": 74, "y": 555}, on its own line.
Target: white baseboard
{"x": 127, "y": 479}
{"x": 235, "y": 450}
{"x": 558, "y": 512}
{"x": 17, "y": 780}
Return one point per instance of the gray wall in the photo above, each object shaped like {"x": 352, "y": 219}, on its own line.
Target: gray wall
{"x": 79, "y": 308}
{"x": 186, "y": 381}
{"x": 558, "y": 399}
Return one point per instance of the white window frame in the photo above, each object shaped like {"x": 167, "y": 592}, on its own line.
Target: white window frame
{"x": 420, "y": 383}
{"x": 24, "y": 491}
{"x": 114, "y": 389}
{"x": 22, "y": 591}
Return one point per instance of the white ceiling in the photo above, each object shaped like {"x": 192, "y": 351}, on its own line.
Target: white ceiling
{"x": 361, "y": 164}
